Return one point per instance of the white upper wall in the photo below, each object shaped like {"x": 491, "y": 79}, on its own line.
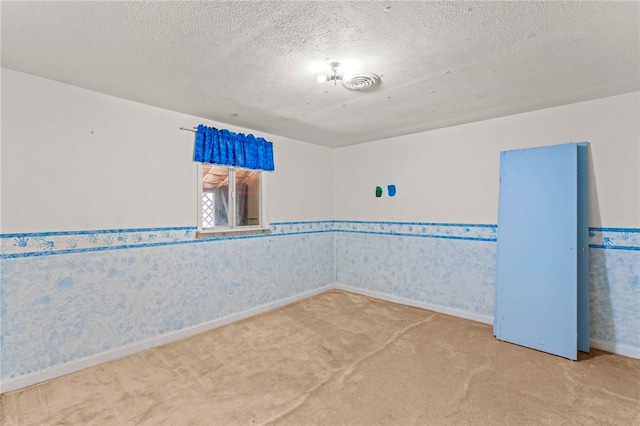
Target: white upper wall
{"x": 74, "y": 159}
{"x": 451, "y": 174}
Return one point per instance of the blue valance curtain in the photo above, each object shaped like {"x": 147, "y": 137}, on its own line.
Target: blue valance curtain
{"x": 227, "y": 148}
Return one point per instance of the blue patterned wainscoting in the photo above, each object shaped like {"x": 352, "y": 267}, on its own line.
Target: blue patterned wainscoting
{"x": 71, "y": 296}
{"x": 451, "y": 268}
{"x": 67, "y": 296}
{"x": 615, "y": 289}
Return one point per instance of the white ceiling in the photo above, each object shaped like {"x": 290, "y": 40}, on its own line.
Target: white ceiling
{"x": 247, "y": 63}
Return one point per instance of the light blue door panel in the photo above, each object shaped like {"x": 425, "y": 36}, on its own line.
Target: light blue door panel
{"x": 537, "y": 274}
{"x": 584, "y": 344}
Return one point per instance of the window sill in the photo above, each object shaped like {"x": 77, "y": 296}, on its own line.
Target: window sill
{"x": 228, "y": 232}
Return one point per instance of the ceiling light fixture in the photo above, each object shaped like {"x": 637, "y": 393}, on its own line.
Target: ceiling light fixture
{"x": 345, "y": 73}
{"x": 334, "y": 74}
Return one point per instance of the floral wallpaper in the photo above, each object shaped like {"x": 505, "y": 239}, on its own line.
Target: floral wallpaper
{"x": 71, "y": 295}
{"x": 614, "y": 278}
{"x": 449, "y": 265}
{"x": 61, "y": 304}
{"x": 454, "y": 266}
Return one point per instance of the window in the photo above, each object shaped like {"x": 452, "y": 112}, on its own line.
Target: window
{"x": 230, "y": 199}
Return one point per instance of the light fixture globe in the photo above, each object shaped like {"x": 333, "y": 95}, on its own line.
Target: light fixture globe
{"x": 334, "y": 75}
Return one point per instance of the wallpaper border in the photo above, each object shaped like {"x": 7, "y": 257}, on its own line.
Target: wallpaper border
{"x": 18, "y": 245}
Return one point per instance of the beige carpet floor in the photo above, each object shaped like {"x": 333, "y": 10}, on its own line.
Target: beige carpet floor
{"x": 339, "y": 359}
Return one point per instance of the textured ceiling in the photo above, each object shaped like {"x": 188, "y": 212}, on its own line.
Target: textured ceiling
{"x": 247, "y": 63}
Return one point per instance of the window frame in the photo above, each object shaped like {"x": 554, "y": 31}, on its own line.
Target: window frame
{"x": 263, "y": 225}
